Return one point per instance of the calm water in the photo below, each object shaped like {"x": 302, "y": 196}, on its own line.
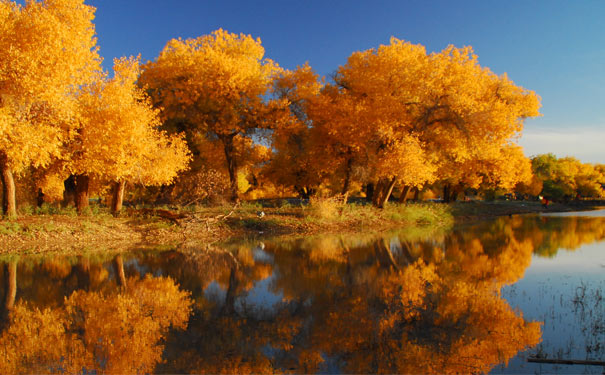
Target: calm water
{"x": 478, "y": 299}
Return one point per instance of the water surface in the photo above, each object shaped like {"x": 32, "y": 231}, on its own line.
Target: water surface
{"x": 478, "y": 299}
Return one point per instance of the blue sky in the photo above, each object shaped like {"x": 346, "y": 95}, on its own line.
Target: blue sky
{"x": 556, "y": 48}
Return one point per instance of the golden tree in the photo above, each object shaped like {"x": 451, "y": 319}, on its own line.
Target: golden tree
{"x": 214, "y": 87}
{"x": 430, "y": 111}
{"x": 298, "y": 161}
{"x": 472, "y": 114}
{"x": 119, "y": 140}
{"x": 47, "y": 51}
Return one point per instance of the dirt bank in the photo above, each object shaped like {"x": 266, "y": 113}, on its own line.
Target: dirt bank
{"x": 69, "y": 233}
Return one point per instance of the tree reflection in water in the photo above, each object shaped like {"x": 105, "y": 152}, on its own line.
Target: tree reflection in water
{"x": 117, "y": 330}
{"x": 352, "y": 304}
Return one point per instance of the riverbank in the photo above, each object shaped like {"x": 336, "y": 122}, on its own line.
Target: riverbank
{"x": 64, "y": 231}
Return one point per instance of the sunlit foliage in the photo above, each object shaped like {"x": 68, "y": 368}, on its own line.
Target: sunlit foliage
{"x": 118, "y": 139}
{"x": 214, "y": 88}
{"x": 47, "y": 51}
{"x": 568, "y": 178}
{"x": 398, "y": 115}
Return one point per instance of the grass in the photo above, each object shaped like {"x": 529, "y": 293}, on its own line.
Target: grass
{"x": 323, "y": 209}
{"x": 53, "y": 227}
{"x": 330, "y": 211}
{"x": 10, "y": 228}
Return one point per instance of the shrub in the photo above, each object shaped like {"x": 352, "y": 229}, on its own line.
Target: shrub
{"x": 324, "y": 208}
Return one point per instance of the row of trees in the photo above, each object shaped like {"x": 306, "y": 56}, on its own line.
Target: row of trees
{"x": 391, "y": 116}
{"x": 61, "y": 115}
{"x": 567, "y": 178}
{"x": 395, "y": 117}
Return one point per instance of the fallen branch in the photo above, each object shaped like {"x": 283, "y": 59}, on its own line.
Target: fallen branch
{"x": 164, "y": 214}
{"x": 566, "y": 361}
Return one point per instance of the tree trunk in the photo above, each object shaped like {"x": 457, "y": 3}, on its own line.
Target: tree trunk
{"x": 347, "y": 181}
{"x": 81, "y": 192}
{"x": 378, "y": 191}
{"x": 9, "y": 192}
{"x": 118, "y": 197}
{"x": 39, "y": 198}
{"x": 446, "y": 193}
{"x": 454, "y": 194}
{"x": 229, "y": 148}
{"x": 404, "y": 194}
{"x": 69, "y": 191}
{"x": 10, "y": 285}
{"x": 389, "y": 191}
{"x": 384, "y": 192}
{"x": 369, "y": 192}
{"x": 118, "y": 266}
{"x": 416, "y": 194}
{"x": 304, "y": 192}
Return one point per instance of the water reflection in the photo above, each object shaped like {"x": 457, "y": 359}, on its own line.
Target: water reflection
{"x": 108, "y": 328}
{"x": 400, "y": 303}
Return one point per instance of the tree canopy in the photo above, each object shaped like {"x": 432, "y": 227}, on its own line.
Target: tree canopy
{"x": 47, "y": 52}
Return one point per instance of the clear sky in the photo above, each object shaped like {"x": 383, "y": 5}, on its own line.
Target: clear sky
{"x": 556, "y": 48}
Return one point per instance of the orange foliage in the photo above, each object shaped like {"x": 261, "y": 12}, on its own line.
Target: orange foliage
{"x": 118, "y": 139}
{"x": 214, "y": 87}
{"x": 113, "y": 333}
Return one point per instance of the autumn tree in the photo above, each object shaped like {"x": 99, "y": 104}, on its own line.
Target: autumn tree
{"x": 119, "y": 140}
{"x": 474, "y": 115}
{"x": 503, "y": 169}
{"x": 47, "y": 51}
{"x": 298, "y": 160}
{"x": 423, "y": 115}
{"x": 215, "y": 87}
{"x": 567, "y": 177}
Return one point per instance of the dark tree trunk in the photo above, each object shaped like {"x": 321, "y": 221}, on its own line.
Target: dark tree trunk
{"x": 229, "y": 148}
{"x": 9, "y": 192}
{"x": 454, "y": 194}
{"x": 39, "y": 198}
{"x": 446, "y": 193}
{"x": 69, "y": 191}
{"x": 81, "y": 192}
{"x": 383, "y": 193}
{"x": 378, "y": 191}
{"x": 404, "y": 194}
{"x": 416, "y": 194}
{"x": 305, "y": 192}
{"x": 347, "y": 181}
{"x": 118, "y": 197}
{"x": 10, "y": 285}
{"x": 370, "y": 192}
{"x": 389, "y": 191}
{"x": 118, "y": 266}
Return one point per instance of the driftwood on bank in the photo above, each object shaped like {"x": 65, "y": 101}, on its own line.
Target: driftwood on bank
{"x": 566, "y": 361}
{"x": 174, "y": 217}
{"x": 180, "y": 218}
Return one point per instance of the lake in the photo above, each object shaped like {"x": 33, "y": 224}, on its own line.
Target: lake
{"x": 480, "y": 298}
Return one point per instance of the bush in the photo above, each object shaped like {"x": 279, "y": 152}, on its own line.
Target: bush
{"x": 324, "y": 208}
